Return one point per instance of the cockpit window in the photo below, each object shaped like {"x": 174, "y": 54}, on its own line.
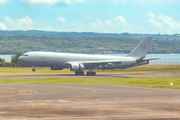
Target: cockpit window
{"x": 25, "y": 55}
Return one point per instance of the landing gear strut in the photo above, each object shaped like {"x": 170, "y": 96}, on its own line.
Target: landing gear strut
{"x": 79, "y": 73}
{"x": 33, "y": 69}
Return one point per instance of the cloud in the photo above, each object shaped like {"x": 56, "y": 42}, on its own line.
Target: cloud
{"x": 79, "y": 0}
{"x": 48, "y": 1}
{"x": 109, "y": 23}
{"x": 142, "y": 5}
{"x": 118, "y": 24}
{"x": 97, "y": 24}
{"x": 88, "y": 17}
{"x": 169, "y": 22}
{"x": 61, "y": 19}
{"x": 101, "y": 25}
{"x": 25, "y": 23}
{"x": 7, "y": 19}
{"x": 165, "y": 24}
{"x": 151, "y": 15}
{"x": 155, "y": 23}
{"x": 47, "y": 28}
{"x": 3, "y": 1}
{"x": 2, "y": 26}
{"x": 77, "y": 25}
{"x": 121, "y": 20}
{"x": 155, "y": 2}
{"x": 112, "y": 0}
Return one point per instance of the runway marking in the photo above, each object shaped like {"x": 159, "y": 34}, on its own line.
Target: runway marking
{"x": 9, "y": 89}
{"x": 81, "y": 102}
{"x": 15, "y": 90}
{"x": 80, "y": 88}
{"x": 62, "y": 101}
{"x": 28, "y": 101}
{"x": 177, "y": 108}
{"x": 97, "y": 99}
{"x": 33, "y": 104}
{"x": 32, "y": 90}
{"x": 87, "y": 94}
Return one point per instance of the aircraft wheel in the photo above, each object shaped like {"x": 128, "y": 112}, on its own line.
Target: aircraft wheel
{"x": 33, "y": 69}
{"x": 88, "y": 73}
{"x": 93, "y": 73}
{"x": 81, "y": 73}
{"x": 77, "y": 73}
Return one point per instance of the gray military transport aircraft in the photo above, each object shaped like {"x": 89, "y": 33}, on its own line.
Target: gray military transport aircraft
{"x": 79, "y": 62}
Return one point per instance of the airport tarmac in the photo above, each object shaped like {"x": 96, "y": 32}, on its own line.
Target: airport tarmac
{"x": 87, "y": 102}
{"x": 129, "y": 75}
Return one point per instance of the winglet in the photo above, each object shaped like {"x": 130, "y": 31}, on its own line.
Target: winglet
{"x": 141, "y": 49}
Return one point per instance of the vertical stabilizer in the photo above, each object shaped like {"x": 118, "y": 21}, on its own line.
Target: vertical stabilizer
{"x": 141, "y": 49}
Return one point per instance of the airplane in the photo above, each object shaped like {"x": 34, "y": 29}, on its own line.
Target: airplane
{"x": 79, "y": 62}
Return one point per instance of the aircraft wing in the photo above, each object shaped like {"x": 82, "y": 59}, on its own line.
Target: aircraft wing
{"x": 95, "y": 63}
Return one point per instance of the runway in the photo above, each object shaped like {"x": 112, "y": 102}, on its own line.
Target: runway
{"x": 130, "y": 75}
{"x": 87, "y": 102}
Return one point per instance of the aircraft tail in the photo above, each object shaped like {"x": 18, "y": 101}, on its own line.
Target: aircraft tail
{"x": 141, "y": 49}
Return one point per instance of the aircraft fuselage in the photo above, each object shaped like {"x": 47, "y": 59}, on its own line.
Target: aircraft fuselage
{"x": 62, "y": 60}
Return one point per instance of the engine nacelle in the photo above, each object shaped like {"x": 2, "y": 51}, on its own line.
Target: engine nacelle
{"x": 76, "y": 67}
{"x": 56, "y": 68}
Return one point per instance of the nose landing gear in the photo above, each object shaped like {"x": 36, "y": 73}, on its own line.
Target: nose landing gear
{"x": 33, "y": 69}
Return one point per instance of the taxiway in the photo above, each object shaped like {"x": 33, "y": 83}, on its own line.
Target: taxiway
{"x": 75, "y": 102}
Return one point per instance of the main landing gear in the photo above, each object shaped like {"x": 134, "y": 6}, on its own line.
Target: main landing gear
{"x": 33, "y": 69}
{"x": 91, "y": 73}
{"x": 79, "y": 73}
{"x": 82, "y": 73}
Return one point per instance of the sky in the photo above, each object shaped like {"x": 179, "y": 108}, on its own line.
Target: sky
{"x": 102, "y": 16}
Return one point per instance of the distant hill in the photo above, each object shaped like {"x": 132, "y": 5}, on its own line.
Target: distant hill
{"x": 37, "y": 33}
{"x": 12, "y": 42}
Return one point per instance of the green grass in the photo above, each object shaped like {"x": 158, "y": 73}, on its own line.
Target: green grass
{"x": 159, "y": 82}
{"x": 47, "y": 71}
{"x": 163, "y": 82}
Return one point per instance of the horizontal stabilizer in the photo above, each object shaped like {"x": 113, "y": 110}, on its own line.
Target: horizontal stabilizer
{"x": 152, "y": 59}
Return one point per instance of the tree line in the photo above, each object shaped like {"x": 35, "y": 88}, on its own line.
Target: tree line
{"x": 39, "y": 33}
{"x": 112, "y": 45}
{"x": 15, "y": 62}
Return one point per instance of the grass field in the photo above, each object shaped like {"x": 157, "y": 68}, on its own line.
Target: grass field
{"x": 159, "y": 82}
{"x": 47, "y": 71}
{"x": 141, "y": 82}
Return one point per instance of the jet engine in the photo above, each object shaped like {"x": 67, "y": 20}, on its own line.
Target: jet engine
{"x": 56, "y": 68}
{"x": 76, "y": 67}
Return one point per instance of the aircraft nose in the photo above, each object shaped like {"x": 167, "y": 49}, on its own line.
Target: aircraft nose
{"x": 21, "y": 58}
